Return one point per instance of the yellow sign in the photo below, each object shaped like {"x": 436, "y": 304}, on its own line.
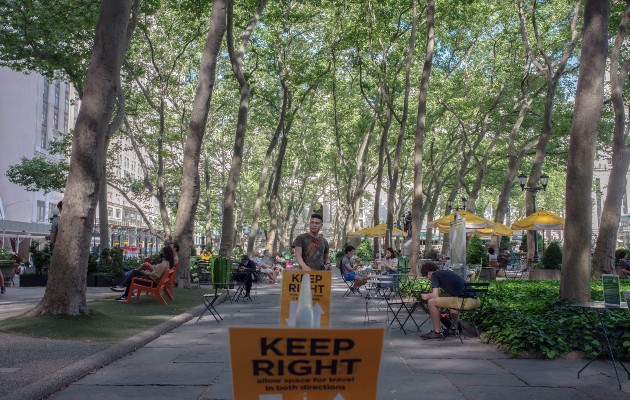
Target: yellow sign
{"x": 305, "y": 364}
{"x": 116, "y": 243}
{"x": 320, "y": 287}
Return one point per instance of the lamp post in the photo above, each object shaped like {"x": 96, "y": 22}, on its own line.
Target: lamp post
{"x": 544, "y": 180}
{"x": 449, "y": 205}
{"x": 203, "y": 242}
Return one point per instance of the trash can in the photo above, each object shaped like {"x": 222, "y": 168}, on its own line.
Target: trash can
{"x": 221, "y": 268}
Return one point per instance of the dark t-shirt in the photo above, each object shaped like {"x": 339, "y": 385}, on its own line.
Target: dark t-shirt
{"x": 449, "y": 281}
{"x": 314, "y": 249}
{"x": 624, "y": 264}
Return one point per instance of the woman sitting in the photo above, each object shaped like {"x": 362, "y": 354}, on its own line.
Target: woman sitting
{"x": 390, "y": 263}
{"x": 146, "y": 270}
{"x": 349, "y": 270}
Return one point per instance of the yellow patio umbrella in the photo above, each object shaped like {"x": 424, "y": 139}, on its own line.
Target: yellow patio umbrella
{"x": 540, "y": 221}
{"x": 361, "y": 232}
{"x": 472, "y": 221}
{"x": 497, "y": 229}
{"x": 380, "y": 231}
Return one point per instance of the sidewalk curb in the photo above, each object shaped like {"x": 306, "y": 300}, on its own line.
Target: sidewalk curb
{"x": 72, "y": 373}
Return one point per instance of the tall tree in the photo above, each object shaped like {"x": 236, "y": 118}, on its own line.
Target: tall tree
{"x": 191, "y": 188}
{"x": 237, "y": 59}
{"x": 65, "y": 292}
{"x": 589, "y": 100}
{"x": 416, "y": 208}
{"x": 604, "y": 255}
{"x": 544, "y": 63}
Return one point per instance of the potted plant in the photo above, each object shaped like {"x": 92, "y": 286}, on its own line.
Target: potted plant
{"x": 41, "y": 260}
{"x": 549, "y": 268}
{"x": 8, "y": 263}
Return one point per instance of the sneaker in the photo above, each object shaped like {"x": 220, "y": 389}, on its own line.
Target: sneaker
{"x": 117, "y": 289}
{"x": 122, "y": 299}
{"x": 432, "y": 335}
{"x": 3, "y": 290}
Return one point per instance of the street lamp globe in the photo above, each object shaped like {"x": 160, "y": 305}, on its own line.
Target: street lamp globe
{"x": 544, "y": 180}
{"x": 522, "y": 180}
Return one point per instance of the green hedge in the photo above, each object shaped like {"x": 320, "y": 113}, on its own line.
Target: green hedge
{"x": 528, "y": 316}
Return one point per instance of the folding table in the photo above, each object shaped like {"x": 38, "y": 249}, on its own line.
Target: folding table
{"x": 599, "y": 308}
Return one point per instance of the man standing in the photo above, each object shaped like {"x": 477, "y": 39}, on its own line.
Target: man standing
{"x": 311, "y": 249}
{"x": 451, "y": 283}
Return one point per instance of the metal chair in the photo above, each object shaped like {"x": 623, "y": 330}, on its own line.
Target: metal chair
{"x": 474, "y": 290}
{"x": 209, "y": 300}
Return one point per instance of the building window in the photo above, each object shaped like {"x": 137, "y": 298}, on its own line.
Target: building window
{"x": 110, "y": 212}
{"x": 118, "y": 213}
{"x": 41, "y": 211}
{"x": 65, "y": 123}
{"x": 56, "y": 104}
{"x": 43, "y": 138}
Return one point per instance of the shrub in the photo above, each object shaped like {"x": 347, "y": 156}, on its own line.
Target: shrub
{"x": 552, "y": 259}
{"x": 528, "y": 316}
{"x": 505, "y": 243}
{"x": 476, "y": 252}
{"x": 40, "y": 258}
{"x": 365, "y": 252}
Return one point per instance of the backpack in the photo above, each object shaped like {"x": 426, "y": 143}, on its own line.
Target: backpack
{"x": 338, "y": 263}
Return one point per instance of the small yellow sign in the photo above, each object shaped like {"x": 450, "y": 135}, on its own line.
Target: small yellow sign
{"x": 321, "y": 285}
{"x": 305, "y": 364}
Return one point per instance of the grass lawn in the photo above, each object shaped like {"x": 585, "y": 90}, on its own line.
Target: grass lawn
{"x": 110, "y": 321}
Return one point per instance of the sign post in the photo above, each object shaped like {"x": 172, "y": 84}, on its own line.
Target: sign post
{"x": 612, "y": 294}
{"x": 321, "y": 290}
{"x": 305, "y": 364}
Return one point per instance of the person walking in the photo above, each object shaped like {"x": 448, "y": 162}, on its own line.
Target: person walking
{"x": 311, "y": 248}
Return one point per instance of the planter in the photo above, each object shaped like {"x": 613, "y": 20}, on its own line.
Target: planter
{"x": 488, "y": 274}
{"x": 33, "y": 280}
{"x": 7, "y": 267}
{"x": 99, "y": 281}
{"x": 536, "y": 274}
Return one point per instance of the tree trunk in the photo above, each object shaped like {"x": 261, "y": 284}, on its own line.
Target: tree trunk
{"x": 237, "y": 59}
{"x": 208, "y": 205}
{"x": 393, "y": 183}
{"x": 589, "y": 98}
{"x": 419, "y": 140}
{"x": 552, "y": 78}
{"x": 604, "y": 256}
{"x": 65, "y": 291}
{"x": 262, "y": 182}
{"x": 189, "y": 195}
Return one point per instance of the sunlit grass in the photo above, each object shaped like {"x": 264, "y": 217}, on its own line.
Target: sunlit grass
{"x": 110, "y": 321}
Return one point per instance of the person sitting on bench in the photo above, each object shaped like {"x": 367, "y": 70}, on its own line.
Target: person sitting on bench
{"x": 146, "y": 270}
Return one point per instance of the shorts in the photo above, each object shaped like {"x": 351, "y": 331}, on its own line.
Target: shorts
{"x": 456, "y": 302}
{"x": 349, "y": 276}
{"x": 266, "y": 270}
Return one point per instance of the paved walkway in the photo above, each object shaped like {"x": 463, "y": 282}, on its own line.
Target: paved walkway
{"x": 191, "y": 362}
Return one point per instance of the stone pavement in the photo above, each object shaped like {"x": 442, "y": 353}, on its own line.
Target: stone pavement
{"x": 191, "y": 362}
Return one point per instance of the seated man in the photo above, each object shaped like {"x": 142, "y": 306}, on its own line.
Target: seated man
{"x": 349, "y": 270}
{"x": 451, "y": 283}
{"x": 267, "y": 269}
{"x": 505, "y": 258}
{"x": 623, "y": 266}
{"x": 246, "y": 271}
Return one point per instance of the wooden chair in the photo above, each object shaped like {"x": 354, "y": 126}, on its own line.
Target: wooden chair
{"x": 152, "y": 288}
{"x": 168, "y": 289}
